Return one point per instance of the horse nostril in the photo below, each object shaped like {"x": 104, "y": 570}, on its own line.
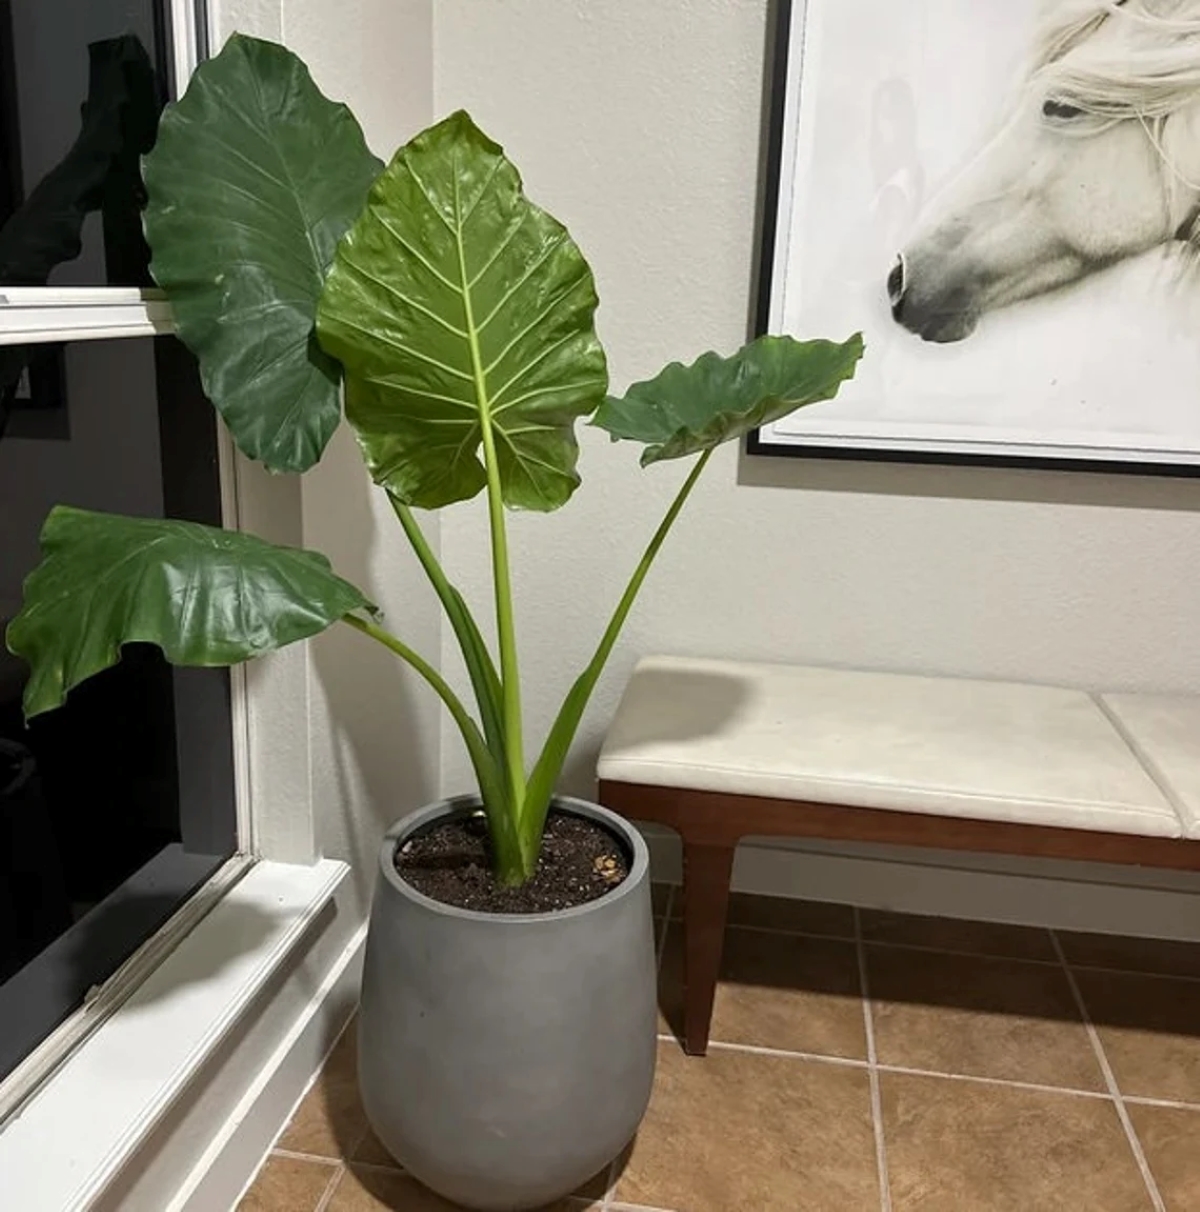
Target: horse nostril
{"x": 896, "y": 284}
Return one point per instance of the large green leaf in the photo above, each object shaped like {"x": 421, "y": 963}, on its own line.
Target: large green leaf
{"x": 454, "y": 304}
{"x": 686, "y": 409}
{"x": 253, "y": 180}
{"x": 204, "y": 596}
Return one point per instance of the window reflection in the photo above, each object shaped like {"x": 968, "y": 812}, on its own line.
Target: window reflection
{"x": 77, "y": 112}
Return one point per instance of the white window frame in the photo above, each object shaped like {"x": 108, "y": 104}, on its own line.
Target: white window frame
{"x": 40, "y": 315}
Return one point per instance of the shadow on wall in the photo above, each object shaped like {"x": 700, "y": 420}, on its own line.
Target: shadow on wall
{"x": 378, "y": 766}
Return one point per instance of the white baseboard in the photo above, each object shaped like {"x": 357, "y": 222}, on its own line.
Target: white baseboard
{"x": 232, "y": 1159}
{"x": 1067, "y": 896}
{"x": 124, "y": 1119}
{"x": 204, "y": 1149}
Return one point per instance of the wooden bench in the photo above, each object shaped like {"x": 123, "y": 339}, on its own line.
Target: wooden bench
{"x": 720, "y": 750}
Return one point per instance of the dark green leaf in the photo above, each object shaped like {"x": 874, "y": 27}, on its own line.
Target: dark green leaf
{"x": 455, "y": 302}
{"x": 253, "y": 180}
{"x": 686, "y": 409}
{"x": 204, "y": 596}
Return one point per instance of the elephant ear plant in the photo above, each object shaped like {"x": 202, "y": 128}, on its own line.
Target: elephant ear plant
{"x": 455, "y": 318}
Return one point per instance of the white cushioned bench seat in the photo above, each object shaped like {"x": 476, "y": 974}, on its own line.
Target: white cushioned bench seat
{"x": 1164, "y": 731}
{"x": 994, "y": 751}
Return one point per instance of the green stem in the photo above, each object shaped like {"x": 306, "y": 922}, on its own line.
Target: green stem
{"x": 476, "y": 657}
{"x": 509, "y": 673}
{"x": 509, "y": 853}
{"x": 558, "y": 742}
{"x": 621, "y": 613}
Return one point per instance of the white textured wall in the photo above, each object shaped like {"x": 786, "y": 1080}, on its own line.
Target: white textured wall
{"x": 341, "y": 725}
{"x": 374, "y": 730}
{"x": 637, "y": 124}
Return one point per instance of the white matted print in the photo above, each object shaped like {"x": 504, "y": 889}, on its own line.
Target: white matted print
{"x": 1004, "y": 197}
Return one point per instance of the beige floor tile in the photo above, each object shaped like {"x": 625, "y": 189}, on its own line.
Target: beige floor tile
{"x": 1165, "y": 957}
{"x": 979, "y": 1016}
{"x": 952, "y": 934}
{"x": 330, "y": 1121}
{"x": 742, "y": 1132}
{"x": 1150, "y": 1029}
{"x": 1171, "y": 1142}
{"x": 776, "y": 991}
{"x": 287, "y": 1184}
{"x": 366, "y": 1189}
{"x": 972, "y": 1147}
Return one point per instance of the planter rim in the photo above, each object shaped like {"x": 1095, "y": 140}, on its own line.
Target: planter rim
{"x": 401, "y": 829}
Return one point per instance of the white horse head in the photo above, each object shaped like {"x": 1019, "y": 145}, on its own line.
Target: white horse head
{"x": 1097, "y": 160}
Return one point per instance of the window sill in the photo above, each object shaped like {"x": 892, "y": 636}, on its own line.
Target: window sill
{"x": 98, "y": 313}
{"x": 76, "y": 1133}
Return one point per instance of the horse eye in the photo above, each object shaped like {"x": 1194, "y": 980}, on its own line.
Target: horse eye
{"x": 1060, "y": 109}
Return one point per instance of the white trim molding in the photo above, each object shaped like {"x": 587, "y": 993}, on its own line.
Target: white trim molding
{"x": 232, "y": 1159}
{"x": 104, "y": 1001}
{"x": 129, "y": 1116}
{"x": 37, "y": 314}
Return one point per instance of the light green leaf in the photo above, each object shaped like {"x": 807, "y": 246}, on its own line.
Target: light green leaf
{"x": 204, "y": 596}
{"x": 686, "y": 409}
{"x": 456, "y": 305}
{"x": 253, "y": 180}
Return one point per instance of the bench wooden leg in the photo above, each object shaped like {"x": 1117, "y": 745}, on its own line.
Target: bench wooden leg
{"x": 706, "y": 873}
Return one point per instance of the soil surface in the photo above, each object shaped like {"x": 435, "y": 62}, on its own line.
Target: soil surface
{"x": 451, "y": 863}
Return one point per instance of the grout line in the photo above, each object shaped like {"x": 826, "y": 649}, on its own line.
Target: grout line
{"x": 885, "y": 1187}
{"x": 378, "y": 1167}
{"x": 348, "y": 1162}
{"x": 333, "y": 1184}
{"x": 849, "y": 1062}
{"x": 1020, "y": 959}
{"x": 1142, "y": 1100}
{"x": 1010, "y": 1082}
{"x": 910, "y": 1071}
{"x": 1110, "y": 1080}
{"x": 297, "y": 1155}
{"x": 926, "y": 948}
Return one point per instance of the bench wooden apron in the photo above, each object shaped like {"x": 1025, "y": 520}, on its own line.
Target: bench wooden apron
{"x": 721, "y": 750}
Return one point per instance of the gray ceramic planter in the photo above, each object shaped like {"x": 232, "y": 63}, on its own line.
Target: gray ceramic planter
{"x": 504, "y": 1060}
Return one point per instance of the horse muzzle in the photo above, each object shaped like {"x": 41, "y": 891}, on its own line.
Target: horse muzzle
{"x": 939, "y": 317}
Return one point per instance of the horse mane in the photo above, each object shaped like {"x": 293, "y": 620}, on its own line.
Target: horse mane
{"x": 1148, "y": 75}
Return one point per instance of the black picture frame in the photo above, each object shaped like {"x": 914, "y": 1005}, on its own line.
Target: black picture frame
{"x": 779, "y": 77}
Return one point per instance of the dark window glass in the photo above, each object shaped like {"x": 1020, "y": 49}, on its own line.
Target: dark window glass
{"x": 116, "y": 807}
{"x": 81, "y": 85}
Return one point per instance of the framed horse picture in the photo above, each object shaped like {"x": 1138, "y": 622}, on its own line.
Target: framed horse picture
{"x": 1004, "y": 197}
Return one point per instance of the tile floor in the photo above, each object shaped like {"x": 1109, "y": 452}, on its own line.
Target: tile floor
{"x": 870, "y": 1061}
